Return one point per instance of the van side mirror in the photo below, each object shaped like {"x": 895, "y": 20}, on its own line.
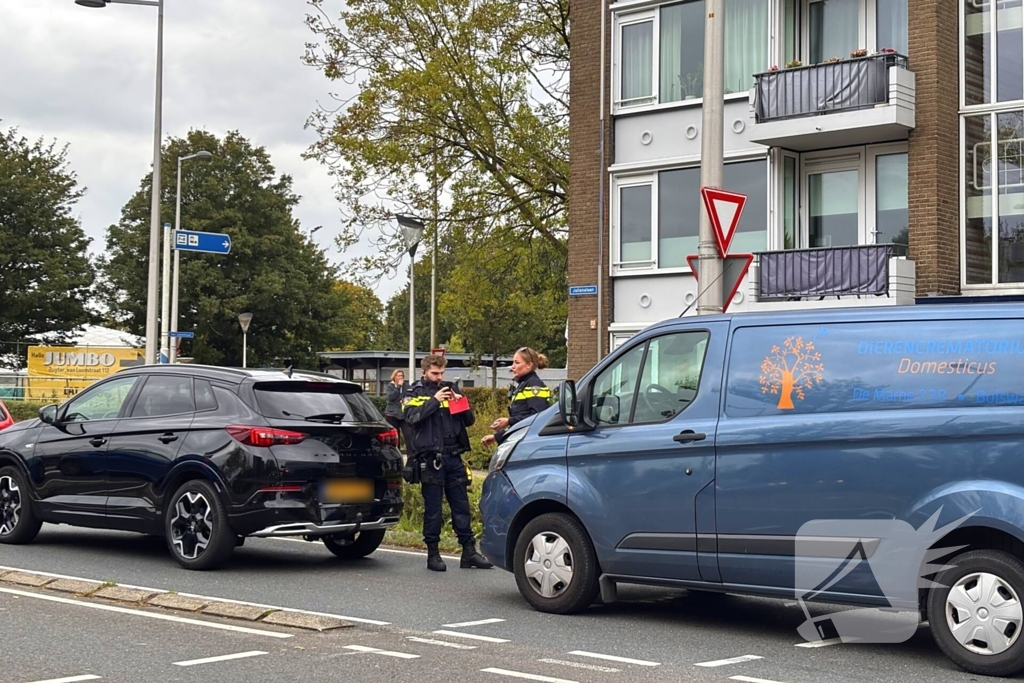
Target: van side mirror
{"x": 568, "y": 406}
{"x": 48, "y": 414}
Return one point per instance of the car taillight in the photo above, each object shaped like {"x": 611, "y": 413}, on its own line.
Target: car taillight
{"x": 264, "y": 436}
{"x": 389, "y": 438}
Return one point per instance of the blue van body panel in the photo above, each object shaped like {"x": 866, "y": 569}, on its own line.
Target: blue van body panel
{"x": 990, "y": 504}
{"x": 499, "y": 505}
{"x": 707, "y": 538}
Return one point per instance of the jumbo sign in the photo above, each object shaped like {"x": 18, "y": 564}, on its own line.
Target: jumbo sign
{"x": 68, "y": 361}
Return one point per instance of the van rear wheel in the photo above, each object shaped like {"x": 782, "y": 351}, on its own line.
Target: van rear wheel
{"x": 555, "y": 565}
{"x": 977, "y": 616}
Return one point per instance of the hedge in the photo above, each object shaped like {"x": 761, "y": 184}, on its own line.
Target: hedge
{"x": 24, "y": 410}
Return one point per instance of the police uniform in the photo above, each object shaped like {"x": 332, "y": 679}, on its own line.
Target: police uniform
{"x": 438, "y": 441}
{"x": 528, "y": 396}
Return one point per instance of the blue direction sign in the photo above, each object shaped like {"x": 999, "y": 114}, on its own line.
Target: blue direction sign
{"x": 182, "y": 335}
{"x": 209, "y": 242}
{"x": 583, "y": 290}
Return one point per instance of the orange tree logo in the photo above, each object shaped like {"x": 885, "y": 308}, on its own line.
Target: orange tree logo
{"x": 791, "y": 369}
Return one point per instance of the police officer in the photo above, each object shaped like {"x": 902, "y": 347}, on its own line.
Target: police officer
{"x": 528, "y": 394}
{"x": 438, "y": 441}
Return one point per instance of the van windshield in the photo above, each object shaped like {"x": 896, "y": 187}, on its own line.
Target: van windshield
{"x": 327, "y": 401}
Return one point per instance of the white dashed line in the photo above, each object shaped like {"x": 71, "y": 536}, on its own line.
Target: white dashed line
{"x": 386, "y": 653}
{"x": 148, "y": 615}
{"x": 733, "y": 660}
{"x": 473, "y": 623}
{"x": 821, "y": 643}
{"x": 748, "y": 679}
{"x": 471, "y": 636}
{"x": 613, "y": 658}
{"x": 577, "y": 665}
{"x": 529, "y": 677}
{"x": 72, "y": 679}
{"x": 445, "y": 643}
{"x": 222, "y": 658}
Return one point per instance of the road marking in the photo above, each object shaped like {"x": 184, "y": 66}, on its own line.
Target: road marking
{"x": 473, "y": 623}
{"x": 429, "y": 641}
{"x": 821, "y": 643}
{"x": 471, "y": 636}
{"x": 149, "y": 615}
{"x": 748, "y": 679}
{"x": 613, "y": 658}
{"x": 373, "y": 622}
{"x": 72, "y": 679}
{"x": 529, "y": 677}
{"x": 386, "y": 653}
{"x": 222, "y": 658}
{"x": 578, "y": 665}
{"x": 733, "y": 660}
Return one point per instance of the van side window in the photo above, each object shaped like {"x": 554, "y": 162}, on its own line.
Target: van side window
{"x": 611, "y": 401}
{"x": 670, "y": 376}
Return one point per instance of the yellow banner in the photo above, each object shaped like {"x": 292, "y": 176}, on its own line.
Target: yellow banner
{"x": 83, "y": 363}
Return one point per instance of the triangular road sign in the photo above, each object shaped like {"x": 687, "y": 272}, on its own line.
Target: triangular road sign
{"x": 734, "y": 268}
{"x": 724, "y": 209}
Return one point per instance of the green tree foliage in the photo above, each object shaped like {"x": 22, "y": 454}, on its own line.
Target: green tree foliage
{"x": 273, "y": 271}
{"x": 45, "y": 273}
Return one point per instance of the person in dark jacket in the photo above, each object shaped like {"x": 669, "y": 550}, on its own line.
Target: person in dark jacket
{"x": 395, "y": 392}
{"x": 439, "y": 439}
{"x": 528, "y": 394}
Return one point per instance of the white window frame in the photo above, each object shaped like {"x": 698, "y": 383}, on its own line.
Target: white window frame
{"x": 848, "y": 159}
{"x": 865, "y": 29}
{"x": 618, "y": 183}
{"x": 871, "y": 183}
{"x": 777, "y": 193}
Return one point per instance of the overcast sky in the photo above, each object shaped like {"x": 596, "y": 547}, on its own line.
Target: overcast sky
{"x": 87, "y": 78}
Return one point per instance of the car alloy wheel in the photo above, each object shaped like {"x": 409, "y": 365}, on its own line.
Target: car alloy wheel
{"x": 984, "y": 613}
{"x": 191, "y": 525}
{"x": 549, "y": 564}
{"x": 10, "y": 505}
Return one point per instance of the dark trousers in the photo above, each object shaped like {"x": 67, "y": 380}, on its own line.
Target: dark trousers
{"x": 450, "y": 480}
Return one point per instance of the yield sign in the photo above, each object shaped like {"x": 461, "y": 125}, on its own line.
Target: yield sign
{"x": 734, "y": 268}
{"x": 724, "y": 209}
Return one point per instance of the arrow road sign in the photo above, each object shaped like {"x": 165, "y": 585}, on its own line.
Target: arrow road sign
{"x": 583, "y": 290}
{"x": 724, "y": 209}
{"x": 734, "y": 268}
{"x": 209, "y": 242}
{"x": 182, "y": 335}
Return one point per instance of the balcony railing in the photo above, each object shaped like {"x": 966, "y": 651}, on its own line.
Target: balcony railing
{"x": 834, "y": 271}
{"x": 849, "y": 84}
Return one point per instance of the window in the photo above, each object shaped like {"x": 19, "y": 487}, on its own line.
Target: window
{"x": 611, "y": 400}
{"x": 103, "y": 402}
{"x": 165, "y": 395}
{"x": 891, "y": 22}
{"x": 892, "y": 222}
{"x": 832, "y": 29}
{"x": 993, "y": 51}
{"x": 635, "y": 202}
{"x": 205, "y": 399}
{"x": 315, "y": 401}
{"x": 637, "y": 63}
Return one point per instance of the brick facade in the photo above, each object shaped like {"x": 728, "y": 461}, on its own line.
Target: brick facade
{"x": 584, "y": 183}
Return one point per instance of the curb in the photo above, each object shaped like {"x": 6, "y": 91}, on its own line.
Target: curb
{"x": 169, "y": 600}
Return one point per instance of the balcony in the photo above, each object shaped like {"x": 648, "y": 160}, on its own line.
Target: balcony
{"x": 868, "y": 275}
{"x": 854, "y": 101}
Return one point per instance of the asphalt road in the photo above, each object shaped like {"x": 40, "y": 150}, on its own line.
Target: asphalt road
{"x": 400, "y": 607}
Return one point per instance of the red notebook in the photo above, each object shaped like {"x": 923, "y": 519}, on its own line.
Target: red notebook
{"x": 459, "y": 405}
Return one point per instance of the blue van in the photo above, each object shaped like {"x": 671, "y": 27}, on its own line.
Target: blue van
{"x": 757, "y": 453}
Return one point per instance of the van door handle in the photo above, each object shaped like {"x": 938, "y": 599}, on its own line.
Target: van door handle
{"x": 689, "y": 435}
{"x": 169, "y": 437}
{"x": 97, "y": 441}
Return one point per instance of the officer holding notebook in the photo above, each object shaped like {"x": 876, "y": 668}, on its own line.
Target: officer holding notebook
{"x": 438, "y": 416}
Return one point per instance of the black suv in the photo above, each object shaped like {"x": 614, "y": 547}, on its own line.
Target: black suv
{"x": 206, "y": 456}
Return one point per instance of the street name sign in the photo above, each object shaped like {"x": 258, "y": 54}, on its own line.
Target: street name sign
{"x": 583, "y": 290}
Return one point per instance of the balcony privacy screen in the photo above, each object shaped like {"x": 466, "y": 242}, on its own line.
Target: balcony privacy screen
{"x": 838, "y": 271}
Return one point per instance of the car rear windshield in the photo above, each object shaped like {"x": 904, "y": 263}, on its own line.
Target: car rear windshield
{"x": 300, "y": 400}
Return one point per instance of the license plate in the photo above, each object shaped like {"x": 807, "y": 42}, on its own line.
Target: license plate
{"x": 346, "y": 491}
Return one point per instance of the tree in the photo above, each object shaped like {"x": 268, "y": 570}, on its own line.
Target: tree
{"x": 794, "y": 367}
{"x": 273, "y": 271}
{"x": 359, "y": 328}
{"x": 467, "y": 95}
{"x": 45, "y": 273}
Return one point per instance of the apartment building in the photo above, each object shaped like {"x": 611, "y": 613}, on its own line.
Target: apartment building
{"x": 861, "y": 131}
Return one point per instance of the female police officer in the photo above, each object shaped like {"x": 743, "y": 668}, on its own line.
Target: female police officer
{"x": 528, "y": 394}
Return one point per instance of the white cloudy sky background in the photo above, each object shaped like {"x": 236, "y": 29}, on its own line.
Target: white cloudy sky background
{"x": 87, "y": 78}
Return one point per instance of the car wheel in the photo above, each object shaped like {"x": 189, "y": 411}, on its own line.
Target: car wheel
{"x": 196, "y": 527}
{"x": 555, "y": 565}
{"x": 354, "y": 547}
{"x": 977, "y": 615}
{"x": 18, "y": 522}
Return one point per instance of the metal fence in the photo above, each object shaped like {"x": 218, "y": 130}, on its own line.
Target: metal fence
{"x": 834, "y": 271}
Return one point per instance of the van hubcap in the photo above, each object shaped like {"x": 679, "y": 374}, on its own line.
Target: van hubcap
{"x": 548, "y": 564}
{"x": 191, "y": 527}
{"x": 10, "y": 505}
{"x": 984, "y": 613}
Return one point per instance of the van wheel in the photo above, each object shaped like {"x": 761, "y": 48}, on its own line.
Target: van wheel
{"x": 977, "y": 615}
{"x": 18, "y": 522}
{"x": 555, "y": 565}
{"x": 354, "y": 547}
{"x": 196, "y": 526}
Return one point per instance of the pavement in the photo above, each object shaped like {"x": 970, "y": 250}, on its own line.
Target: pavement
{"x": 394, "y": 621}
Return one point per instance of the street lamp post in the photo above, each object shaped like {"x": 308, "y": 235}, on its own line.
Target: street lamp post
{"x": 244, "y": 319}
{"x": 173, "y": 351}
{"x": 412, "y": 233}
{"x": 154, "y": 216}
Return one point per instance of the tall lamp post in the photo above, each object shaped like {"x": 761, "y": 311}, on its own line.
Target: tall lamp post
{"x": 412, "y": 233}
{"x": 173, "y": 351}
{"x": 244, "y": 319}
{"x": 154, "y": 215}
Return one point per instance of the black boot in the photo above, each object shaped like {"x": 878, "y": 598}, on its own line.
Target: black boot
{"x": 434, "y": 561}
{"x": 471, "y": 558}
